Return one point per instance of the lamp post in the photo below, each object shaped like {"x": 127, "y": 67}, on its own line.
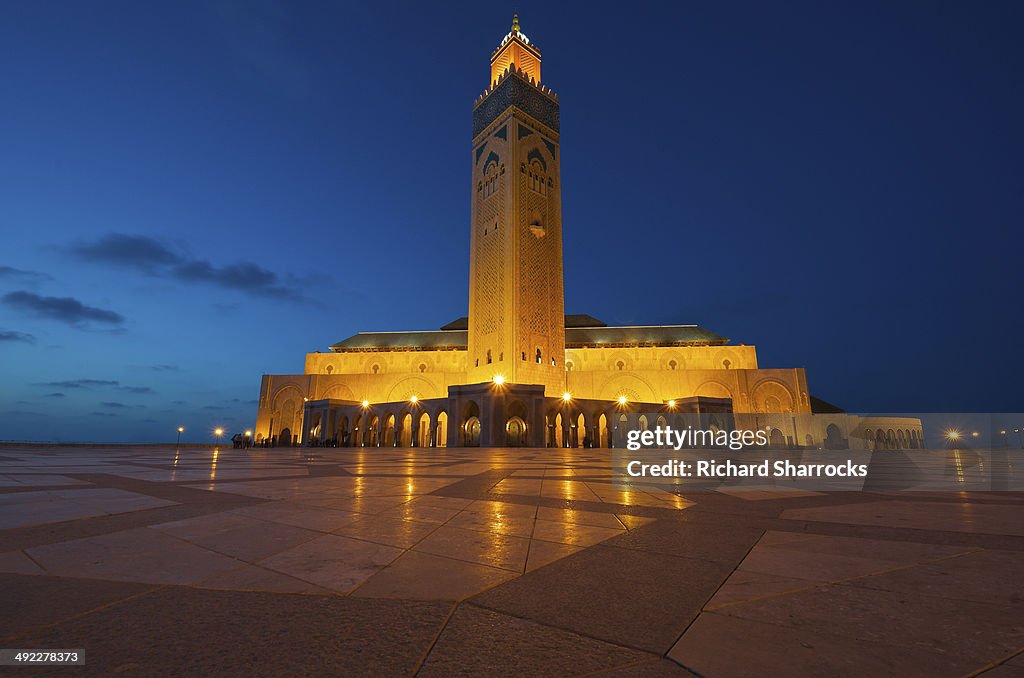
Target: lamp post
{"x": 219, "y": 432}
{"x": 181, "y": 429}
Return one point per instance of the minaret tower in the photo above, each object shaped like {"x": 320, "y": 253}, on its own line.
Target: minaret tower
{"x": 516, "y": 303}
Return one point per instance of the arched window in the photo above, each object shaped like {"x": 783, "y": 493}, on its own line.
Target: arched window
{"x": 488, "y": 356}
{"x": 489, "y": 186}
{"x": 536, "y": 180}
{"x": 539, "y": 358}
{"x": 672, "y": 364}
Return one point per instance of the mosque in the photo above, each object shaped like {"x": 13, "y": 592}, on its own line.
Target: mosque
{"x": 519, "y": 371}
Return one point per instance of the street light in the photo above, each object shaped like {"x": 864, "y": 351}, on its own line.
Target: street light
{"x": 181, "y": 429}
{"x": 218, "y": 432}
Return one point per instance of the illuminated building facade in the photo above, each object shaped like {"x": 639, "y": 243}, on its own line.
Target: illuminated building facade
{"x": 518, "y": 370}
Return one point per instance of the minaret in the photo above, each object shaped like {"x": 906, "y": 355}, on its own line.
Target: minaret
{"x": 516, "y": 304}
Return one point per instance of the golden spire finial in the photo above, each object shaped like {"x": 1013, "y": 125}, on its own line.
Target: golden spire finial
{"x": 515, "y": 22}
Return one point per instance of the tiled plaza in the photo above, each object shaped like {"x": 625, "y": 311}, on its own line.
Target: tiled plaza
{"x": 157, "y": 560}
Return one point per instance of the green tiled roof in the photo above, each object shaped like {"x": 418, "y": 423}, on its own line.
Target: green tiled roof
{"x": 435, "y": 340}
{"x": 646, "y": 335}
{"x": 575, "y": 337}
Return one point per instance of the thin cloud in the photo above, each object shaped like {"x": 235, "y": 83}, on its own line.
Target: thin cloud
{"x": 127, "y": 250}
{"x": 14, "y": 335}
{"x": 98, "y": 383}
{"x": 54, "y": 395}
{"x": 114, "y": 405}
{"x": 135, "y": 389}
{"x": 64, "y": 309}
{"x": 152, "y": 257}
{"x": 81, "y": 383}
{"x": 9, "y": 272}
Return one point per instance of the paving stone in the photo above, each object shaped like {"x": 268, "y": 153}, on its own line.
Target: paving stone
{"x": 182, "y": 631}
{"x": 718, "y": 645}
{"x": 485, "y": 643}
{"x": 902, "y": 620}
{"x": 421, "y": 576}
{"x": 629, "y": 597}
{"x": 30, "y": 602}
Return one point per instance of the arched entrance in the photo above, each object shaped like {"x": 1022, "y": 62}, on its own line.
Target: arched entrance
{"x": 285, "y": 437}
{"x": 776, "y": 439}
{"x": 602, "y": 430}
{"x": 423, "y": 431}
{"x": 470, "y": 429}
{"x": 441, "y": 437}
{"x": 515, "y": 432}
{"x": 388, "y": 433}
{"x": 834, "y": 439}
{"x": 373, "y": 433}
{"x": 357, "y": 431}
{"x": 471, "y": 432}
{"x": 405, "y": 433}
{"x": 341, "y": 435}
{"x": 581, "y": 430}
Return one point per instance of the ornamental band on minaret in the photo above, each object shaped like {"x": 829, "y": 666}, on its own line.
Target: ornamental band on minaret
{"x": 517, "y": 370}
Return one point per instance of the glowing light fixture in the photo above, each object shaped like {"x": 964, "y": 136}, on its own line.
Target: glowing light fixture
{"x": 952, "y": 434}
{"x": 499, "y": 379}
{"x": 413, "y": 399}
{"x": 248, "y": 434}
{"x": 622, "y": 400}
{"x": 566, "y": 396}
{"x": 671, "y": 403}
{"x": 366, "y": 403}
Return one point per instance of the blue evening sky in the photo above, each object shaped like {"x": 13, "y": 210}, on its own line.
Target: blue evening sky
{"x": 195, "y": 193}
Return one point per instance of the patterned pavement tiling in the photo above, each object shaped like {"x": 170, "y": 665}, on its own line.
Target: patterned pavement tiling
{"x": 483, "y": 562}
